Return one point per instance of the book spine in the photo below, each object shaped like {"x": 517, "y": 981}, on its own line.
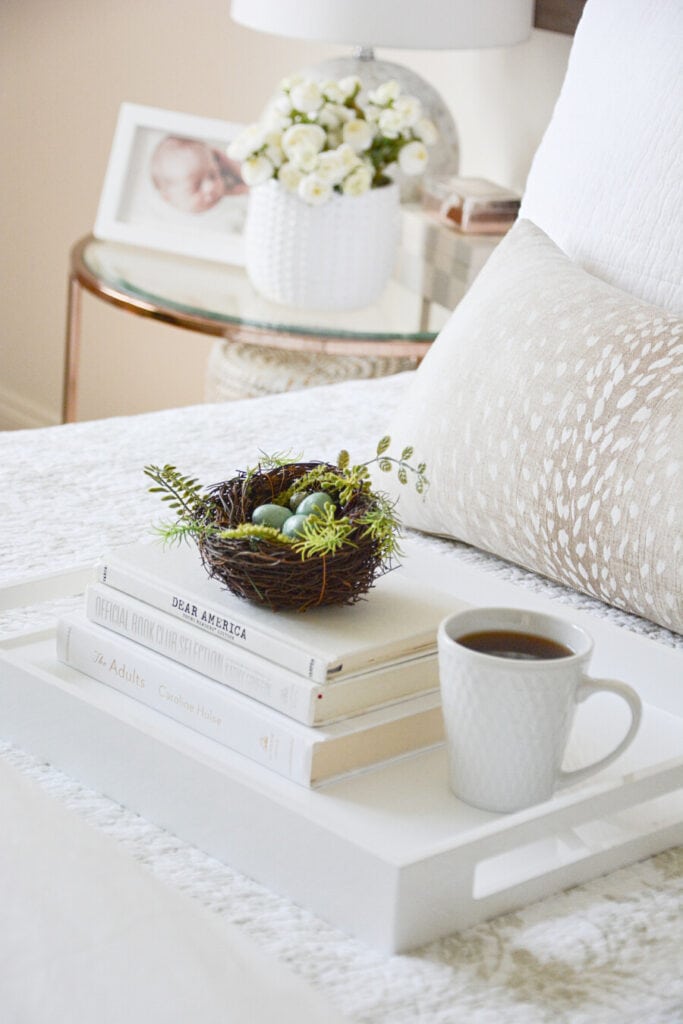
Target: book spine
{"x": 215, "y": 711}
{"x": 212, "y": 619}
{"x": 255, "y": 677}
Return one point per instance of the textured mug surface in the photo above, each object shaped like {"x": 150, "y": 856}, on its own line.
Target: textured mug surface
{"x": 507, "y": 721}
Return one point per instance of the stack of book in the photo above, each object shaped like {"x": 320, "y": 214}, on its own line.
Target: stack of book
{"x": 312, "y": 697}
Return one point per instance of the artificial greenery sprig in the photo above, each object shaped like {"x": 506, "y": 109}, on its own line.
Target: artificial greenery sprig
{"x": 387, "y": 462}
{"x": 358, "y": 512}
{"x": 347, "y": 480}
{"x": 325, "y": 533}
{"x": 183, "y": 493}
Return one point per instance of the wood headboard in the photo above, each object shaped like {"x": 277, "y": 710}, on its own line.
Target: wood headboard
{"x": 558, "y": 15}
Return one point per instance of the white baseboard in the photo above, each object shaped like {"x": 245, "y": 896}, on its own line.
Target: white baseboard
{"x": 19, "y": 413}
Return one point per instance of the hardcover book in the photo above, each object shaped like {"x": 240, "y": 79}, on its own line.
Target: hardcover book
{"x": 294, "y": 695}
{"x": 398, "y": 619}
{"x": 306, "y": 755}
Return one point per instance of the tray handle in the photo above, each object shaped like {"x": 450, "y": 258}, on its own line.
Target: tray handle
{"x": 524, "y": 862}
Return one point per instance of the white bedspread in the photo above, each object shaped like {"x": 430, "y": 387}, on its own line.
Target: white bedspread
{"x": 605, "y": 953}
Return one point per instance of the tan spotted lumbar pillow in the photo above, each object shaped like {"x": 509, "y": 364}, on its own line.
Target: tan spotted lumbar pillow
{"x": 549, "y": 414}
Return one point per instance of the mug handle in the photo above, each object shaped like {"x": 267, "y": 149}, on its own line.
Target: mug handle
{"x": 585, "y": 689}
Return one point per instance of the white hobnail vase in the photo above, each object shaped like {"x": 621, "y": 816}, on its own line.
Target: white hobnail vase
{"x": 336, "y": 256}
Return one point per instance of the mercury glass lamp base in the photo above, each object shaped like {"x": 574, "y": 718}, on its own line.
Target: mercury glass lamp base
{"x": 444, "y": 156}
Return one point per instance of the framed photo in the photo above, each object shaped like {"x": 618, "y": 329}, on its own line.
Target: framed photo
{"x": 170, "y": 185}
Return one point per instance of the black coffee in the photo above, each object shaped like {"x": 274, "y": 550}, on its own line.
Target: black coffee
{"x": 502, "y": 643}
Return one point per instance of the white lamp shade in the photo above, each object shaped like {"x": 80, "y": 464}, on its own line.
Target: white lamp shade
{"x": 418, "y": 25}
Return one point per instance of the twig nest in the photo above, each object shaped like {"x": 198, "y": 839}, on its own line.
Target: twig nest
{"x": 274, "y": 573}
{"x": 291, "y": 535}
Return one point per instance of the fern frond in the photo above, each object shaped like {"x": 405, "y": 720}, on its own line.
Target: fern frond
{"x": 182, "y": 493}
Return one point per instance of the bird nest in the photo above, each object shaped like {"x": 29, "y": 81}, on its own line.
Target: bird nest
{"x": 276, "y": 574}
{"x": 335, "y": 554}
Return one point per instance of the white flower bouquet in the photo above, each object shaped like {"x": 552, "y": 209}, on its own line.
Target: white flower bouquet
{"x": 316, "y": 138}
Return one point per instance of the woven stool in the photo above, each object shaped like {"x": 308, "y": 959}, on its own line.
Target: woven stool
{"x": 236, "y": 370}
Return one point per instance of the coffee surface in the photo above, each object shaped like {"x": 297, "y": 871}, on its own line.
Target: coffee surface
{"x": 503, "y": 643}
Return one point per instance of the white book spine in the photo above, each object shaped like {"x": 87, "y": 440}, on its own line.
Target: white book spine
{"x": 212, "y": 619}
{"x": 215, "y": 711}
{"x": 255, "y": 677}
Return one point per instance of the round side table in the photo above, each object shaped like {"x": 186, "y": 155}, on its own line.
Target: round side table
{"x": 217, "y": 299}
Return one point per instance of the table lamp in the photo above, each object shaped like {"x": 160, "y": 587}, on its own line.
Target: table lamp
{"x": 422, "y": 25}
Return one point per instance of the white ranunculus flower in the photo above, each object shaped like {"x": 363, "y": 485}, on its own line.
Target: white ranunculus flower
{"x": 282, "y": 103}
{"x": 372, "y": 114}
{"x": 309, "y": 136}
{"x": 307, "y": 97}
{"x": 413, "y": 158}
{"x": 332, "y": 91}
{"x": 289, "y": 177}
{"x": 349, "y": 85}
{"x": 256, "y": 170}
{"x": 358, "y": 181}
{"x": 390, "y": 123}
{"x": 344, "y": 113}
{"x": 426, "y": 131}
{"x": 305, "y": 158}
{"x": 331, "y": 166}
{"x": 273, "y": 149}
{"x": 247, "y": 142}
{"x": 385, "y": 93}
{"x": 328, "y": 116}
{"x": 348, "y": 157}
{"x": 358, "y": 135}
{"x": 410, "y": 109}
{"x": 314, "y": 190}
{"x": 273, "y": 121}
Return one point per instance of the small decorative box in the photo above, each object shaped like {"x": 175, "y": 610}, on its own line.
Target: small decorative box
{"x": 471, "y": 205}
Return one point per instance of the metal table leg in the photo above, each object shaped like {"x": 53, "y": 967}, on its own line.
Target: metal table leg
{"x": 72, "y": 351}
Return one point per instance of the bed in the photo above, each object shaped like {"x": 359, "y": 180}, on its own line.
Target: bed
{"x": 607, "y": 951}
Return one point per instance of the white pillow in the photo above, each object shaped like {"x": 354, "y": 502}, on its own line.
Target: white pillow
{"x": 550, "y": 417}
{"x": 606, "y": 183}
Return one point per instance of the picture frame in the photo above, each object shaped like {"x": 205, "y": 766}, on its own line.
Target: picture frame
{"x": 169, "y": 185}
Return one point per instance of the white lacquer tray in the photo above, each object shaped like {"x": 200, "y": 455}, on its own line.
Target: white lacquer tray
{"x": 389, "y": 855}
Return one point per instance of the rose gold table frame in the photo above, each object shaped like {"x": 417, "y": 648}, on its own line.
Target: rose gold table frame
{"x": 270, "y": 336}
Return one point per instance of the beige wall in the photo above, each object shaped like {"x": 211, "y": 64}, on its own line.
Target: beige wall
{"x": 65, "y": 67}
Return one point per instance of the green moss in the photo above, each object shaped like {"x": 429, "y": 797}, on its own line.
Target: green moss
{"x": 252, "y": 531}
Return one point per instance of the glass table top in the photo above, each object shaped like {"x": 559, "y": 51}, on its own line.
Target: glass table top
{"x": 222, "y": 294}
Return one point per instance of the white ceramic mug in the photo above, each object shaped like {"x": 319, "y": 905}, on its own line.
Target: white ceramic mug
{"x": 507, "y": 721}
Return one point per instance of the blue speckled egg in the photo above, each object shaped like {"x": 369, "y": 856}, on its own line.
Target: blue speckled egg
{"x": 314, "y": 503}
{"x": 296, "y": 500}
{"x": 270, "y": 515}
{"x": 293, "y": 527}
